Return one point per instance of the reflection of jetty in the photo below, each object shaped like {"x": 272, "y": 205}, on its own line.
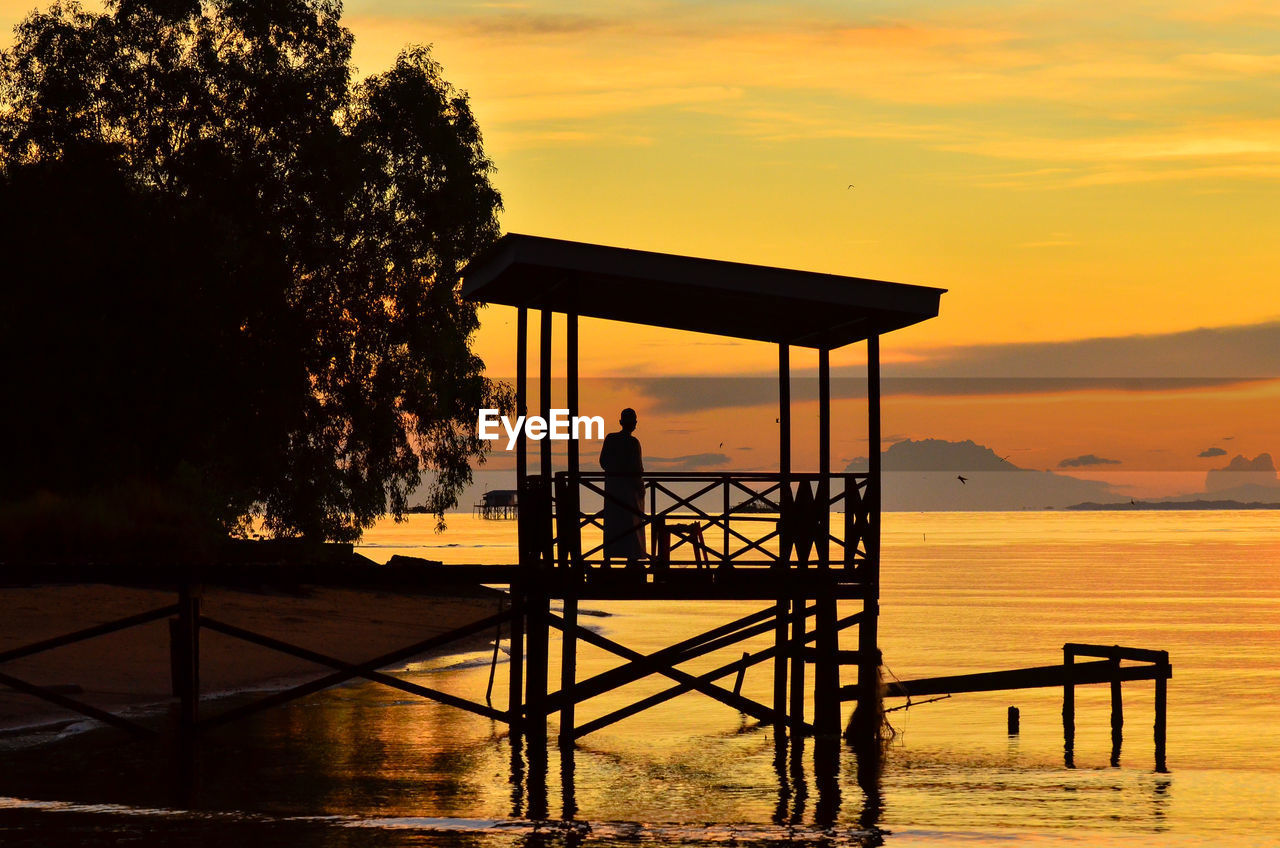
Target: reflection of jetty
{"x": 499, "y": 503}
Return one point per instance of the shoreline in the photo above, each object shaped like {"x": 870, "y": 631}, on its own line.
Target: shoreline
{"x": 129, "y": 671}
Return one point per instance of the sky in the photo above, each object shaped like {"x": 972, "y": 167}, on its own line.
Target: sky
{"x": 1096, "y": 185}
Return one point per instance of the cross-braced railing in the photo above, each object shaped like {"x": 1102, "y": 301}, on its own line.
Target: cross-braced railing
{"x": 711, "y": 520}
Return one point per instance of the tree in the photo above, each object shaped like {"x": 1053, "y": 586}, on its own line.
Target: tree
{"x": 232, "y": 272}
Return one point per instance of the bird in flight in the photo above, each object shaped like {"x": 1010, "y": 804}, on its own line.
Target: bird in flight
{"x": 850, "y": 186}
{"x": 963, "y": 480}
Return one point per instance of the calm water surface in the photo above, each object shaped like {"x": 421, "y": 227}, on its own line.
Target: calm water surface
{"x": 364, "y": 765}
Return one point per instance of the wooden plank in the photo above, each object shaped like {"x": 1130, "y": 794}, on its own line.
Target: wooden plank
{"x": 1019, "y": 678}
{"x": 1117, "y": 651}
{"x": 75, "y": 706}
{"x": 87, "y": 633}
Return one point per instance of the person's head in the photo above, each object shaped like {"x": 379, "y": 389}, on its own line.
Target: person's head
{"x": 628, "y": 419}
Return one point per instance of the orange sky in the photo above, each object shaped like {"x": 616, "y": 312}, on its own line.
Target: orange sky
{"x": 1067, "y": 170}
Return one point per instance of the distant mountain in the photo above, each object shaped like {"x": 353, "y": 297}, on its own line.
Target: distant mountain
{"x": 1167, "y": 505}
{"x": 923, "y": 476}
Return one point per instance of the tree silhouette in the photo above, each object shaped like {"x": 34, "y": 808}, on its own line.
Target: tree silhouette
{"x": 230, "y": 272}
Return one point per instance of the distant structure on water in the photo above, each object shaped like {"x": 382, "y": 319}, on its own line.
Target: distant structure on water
{"x": 498, "y": 504}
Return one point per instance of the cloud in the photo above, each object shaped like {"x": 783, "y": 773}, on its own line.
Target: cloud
{"x": 1086, "y": 461}
{"x": 1212, "y": 452}
{"x": 1241, "y": 472}
{"x": 1223, "y": 354}
{"x": 1206, "y": 358}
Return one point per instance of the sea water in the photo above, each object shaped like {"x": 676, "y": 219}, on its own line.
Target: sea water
{"x": 961, "y": 592}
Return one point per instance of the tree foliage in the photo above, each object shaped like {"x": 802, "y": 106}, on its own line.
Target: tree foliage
{"x": 232, "y": 271}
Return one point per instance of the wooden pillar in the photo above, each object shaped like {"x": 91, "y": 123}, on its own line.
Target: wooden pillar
{"x": 186, "y": 664}
{"x": 1068, "y": 707}
{"x": 569, "y": 634}
{"x": 1117, "y": 711}
{"x": 515, "y": 701}
{"x": 784, "y": 478}
{"x": 1162, "y": 692}
{"x": 826, "y": 672}
{"x": 522, "y": 391}
{"x": 823, "y": 551}
{"x": 867, "y": 714}
{"x": 537, "y": 600}
{"x": 573, "y": 460}
{"x": 544, "y": 392}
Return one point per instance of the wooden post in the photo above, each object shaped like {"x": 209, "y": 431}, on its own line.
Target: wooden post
{"x": 742, "y": 673}
{"x": 544, "y": 392}
{"x": 798, "y": 624}
{"x": 826, "y": 672}
{"x": 515, "y": 688}
{"x": 1117, "y": 710}
{"x": 823, "y": 550}
{"x": 522, "y": 392}
{"x": 569, "y": 633}
{"x": 568, "y": 665}
{"x": 574, "y": 464}
{"x": 1161, "y": 702}
{"x": 780, "y": 658}
{"x": 867, "y": 714}
{"x": 1014, "y": 720}
{"x": 537, "y": 599}
{"x": 187, "y": 663}
{"x": 1068, "y": 708}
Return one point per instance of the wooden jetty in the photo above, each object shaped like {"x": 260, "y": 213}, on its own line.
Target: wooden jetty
{"x": 1154, "y": 665}
{"x": 794, "y": 560}
{"x": 497, "y": 504}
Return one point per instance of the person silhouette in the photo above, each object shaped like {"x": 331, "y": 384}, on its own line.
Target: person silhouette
{"x": 620, "y": 457}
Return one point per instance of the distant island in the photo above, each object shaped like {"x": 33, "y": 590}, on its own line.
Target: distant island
{"x": 1170, "y": 505}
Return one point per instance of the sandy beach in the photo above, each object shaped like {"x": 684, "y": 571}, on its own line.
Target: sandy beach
{"x": 131, "y": 668}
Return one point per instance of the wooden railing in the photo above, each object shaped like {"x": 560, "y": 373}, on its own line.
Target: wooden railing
{"x": 699, "y": 519}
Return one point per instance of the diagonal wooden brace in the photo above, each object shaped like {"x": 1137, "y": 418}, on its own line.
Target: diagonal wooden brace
{"x": 664, "y": 658}
{"x": 353, "y": 671}
{"x": 331, "y": 662}
{"x": 75, "y": 706}
{"x": 752, "y": 708}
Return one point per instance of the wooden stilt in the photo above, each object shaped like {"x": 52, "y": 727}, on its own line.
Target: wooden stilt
{"x": 1117, "y": 712}
{"x": 1161, "y": 703}
{"x": 188, "y": 650}
{"x": 795, "y": 712}
{"x": 781, "y": 658}
{"x": 569, "y": 506}
{"x": 865, "y": 727}
{"x": 568, "y": 668}
{"x": 515, "y": 698}
{"x": 1068, "y": 708}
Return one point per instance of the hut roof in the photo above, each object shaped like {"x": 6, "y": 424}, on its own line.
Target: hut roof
{"x": 701, "y": 295}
